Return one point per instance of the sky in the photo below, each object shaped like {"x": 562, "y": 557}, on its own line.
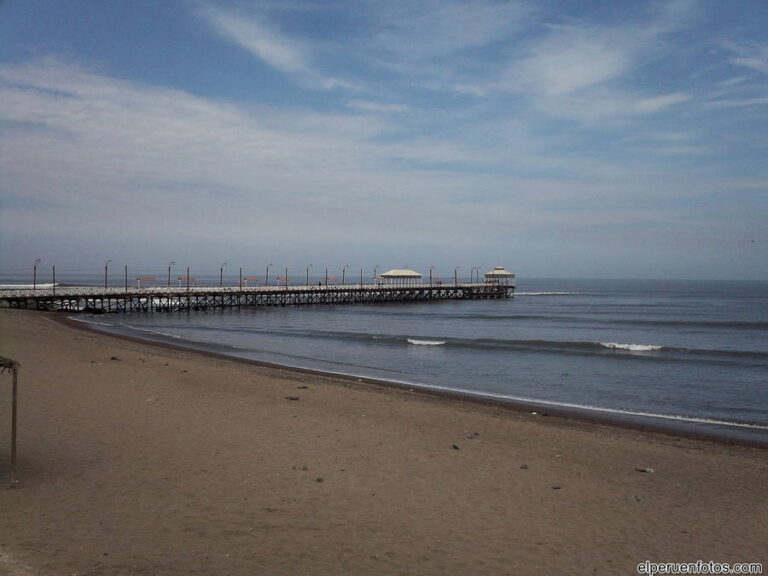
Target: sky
{"x": 587, "y": 139}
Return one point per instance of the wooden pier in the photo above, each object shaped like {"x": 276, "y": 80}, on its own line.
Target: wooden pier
{"x": 173, "y": 299}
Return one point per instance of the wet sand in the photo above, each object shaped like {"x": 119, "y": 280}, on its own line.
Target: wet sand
{"x": 136, "y": 459}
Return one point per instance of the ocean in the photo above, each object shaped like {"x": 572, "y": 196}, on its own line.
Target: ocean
{"x": 690, "y": 352}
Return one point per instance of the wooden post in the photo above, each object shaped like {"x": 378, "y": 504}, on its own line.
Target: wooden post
{"x": 13, "y": 367}
{"x": 14, "y": 412}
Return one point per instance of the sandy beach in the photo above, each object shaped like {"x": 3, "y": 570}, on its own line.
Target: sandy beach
{"x": 136, "y": 459}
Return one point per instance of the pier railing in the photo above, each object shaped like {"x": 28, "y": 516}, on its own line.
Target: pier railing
{"x": 157, "y": 299}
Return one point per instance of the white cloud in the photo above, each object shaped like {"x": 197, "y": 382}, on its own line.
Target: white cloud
{"x": 471, "y": 90}
{"x": 569, "y": 60}
{"x": 253, "y": 35}
{"x": 432, "y": 29}
{"x": 369, "y": 106}
{"x": 288, "y": 55}
{"x": 657, "y": 103}
{"x": 606, "y": 105}
{"x": 738, "y": 102}
{"x": 585, "y": 72}
{"x": 752, "y": 56}
{"x": 86, "y": 155}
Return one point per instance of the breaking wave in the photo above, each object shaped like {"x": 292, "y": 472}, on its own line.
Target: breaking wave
{"x": 425, "y": 342}
{"x": 630, "y": 347}
{"x": 546, "y": 293}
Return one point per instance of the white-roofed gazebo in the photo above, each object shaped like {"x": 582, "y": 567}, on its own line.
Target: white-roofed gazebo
{"x": 400, "y": 276}
{"x": 500, "y": 275}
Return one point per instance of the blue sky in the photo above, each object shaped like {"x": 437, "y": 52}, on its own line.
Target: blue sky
{"x": 558, "y": 138}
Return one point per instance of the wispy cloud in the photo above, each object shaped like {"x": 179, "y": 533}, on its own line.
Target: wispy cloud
{"x": 738, "y": 103}
{"x": 85, "y": 146}
{"x": 752, "y": 56}
{"x": 568, "y": 60}
{"x": 288, "y": 55}
{"x": 370, "y": 106}
{"x": 584, "y": 71}
{"x": 433, "y": 29}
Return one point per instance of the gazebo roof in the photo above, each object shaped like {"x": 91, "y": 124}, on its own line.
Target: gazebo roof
{"x": 499, "y": 272}
{"x": 400, "y": 273}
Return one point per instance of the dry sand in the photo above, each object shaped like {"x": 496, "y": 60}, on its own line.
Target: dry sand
{"x": 136, "y": 459}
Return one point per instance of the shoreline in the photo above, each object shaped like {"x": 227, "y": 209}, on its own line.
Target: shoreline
{"x": 726, "y": 433}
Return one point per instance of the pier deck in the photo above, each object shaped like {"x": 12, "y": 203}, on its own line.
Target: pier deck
{"x": 168, "y": 299}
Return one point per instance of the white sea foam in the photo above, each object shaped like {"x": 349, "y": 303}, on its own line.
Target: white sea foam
{"x": 89, "y": 321}
{"x": 426, "y": 342}
{"x": 545, "y": 293}
{"x": 630, "y": 347}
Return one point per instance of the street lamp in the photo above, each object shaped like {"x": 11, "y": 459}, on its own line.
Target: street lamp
{"x": 169, "y": 272}
{"x": 430, "y": 274}
{"x": 106, "y": 267}
{"x": 343, "y": 274}
{"x": 34, "y": 274}
{"x": 308, "y": 267}
{"x": 266, "y": 283}
{"x": 456, "y": 275}
{"x": 374, "y": 272}
{"x": 221, "y": 273}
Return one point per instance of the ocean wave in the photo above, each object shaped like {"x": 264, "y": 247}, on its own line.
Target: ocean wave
{"x": 739, "y": 324}
{"x": 425, "y": 342}
{"x": 631, "y": 347}
{"x": 83, "y": 320}
{"x": 546, "y": 293}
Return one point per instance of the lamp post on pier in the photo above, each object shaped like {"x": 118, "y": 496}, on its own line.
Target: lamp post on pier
{"x": 106, "y": 268}
{"x": 456, "y": 276}
{"x": 34, "y": 273}
{"x": 343, "y": 274}
{"x": 374, "y": 272}
{"x": 430, "y": 274}
{"x": 308, "y": 267}
{"x": 221, "y": 273}
{"x": 173, "y": 263}
{"x": 266, "y": 283}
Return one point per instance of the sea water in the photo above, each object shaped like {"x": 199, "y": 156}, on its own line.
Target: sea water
{"x": 685, "y": 350}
